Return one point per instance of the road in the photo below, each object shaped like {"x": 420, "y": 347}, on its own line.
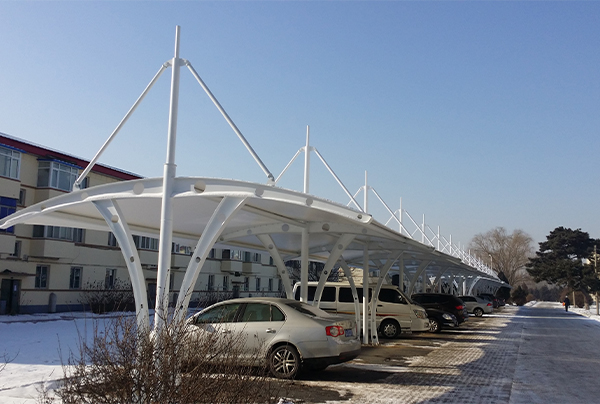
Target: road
{"x": 519, "y": 355}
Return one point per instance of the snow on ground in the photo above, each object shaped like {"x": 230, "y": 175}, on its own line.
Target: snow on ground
{"x": 35, "y": 345}
{"x": 590, "y": 313}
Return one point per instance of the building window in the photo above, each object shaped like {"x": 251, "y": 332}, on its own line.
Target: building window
{"x": 109, "y": 279}
{"x": 85, "y": 183}
{"x": 8, "y": 206}
{"x": 59, "y": 233}
{"x": 22, "y": 197}
{"x": 146, "y": 243}
{"x": 211, "y": 282}
{"x": 57, "y": 175}
{"x": 41, "y": 277}
{"x": 112, "y": 240}
{"x": 280, "y": 285}
{"x": 257, "y": 284}
{"x": 181, "y": 249}
{"x": 75, "y": 278}
{"x": 231, "y": 255}
{"x": 251, "y": 257}
{"x": 17, "y": 251}
{"x": 78, "y": 235}
{"x": 10, "y": 162}
{"x": 225, "y": 282}
{"x": 270, "y": 284}
{"x": 246, "y": 284}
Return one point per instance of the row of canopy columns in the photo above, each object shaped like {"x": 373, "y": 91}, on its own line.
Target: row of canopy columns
{"x": 221, "y": 216}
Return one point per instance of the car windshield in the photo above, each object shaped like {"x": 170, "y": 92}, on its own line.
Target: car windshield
{"x": 307, "y": 309}
{"x": 408, "y": 299}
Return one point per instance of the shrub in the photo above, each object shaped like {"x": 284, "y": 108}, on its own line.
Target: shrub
{"x": 100, "y": 299}
{"x": 125, "y": 365}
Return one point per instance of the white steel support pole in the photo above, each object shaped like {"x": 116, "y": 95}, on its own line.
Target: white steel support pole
{"x": 401, "y": 277}
{"x": 400, "y": 218}
{"x": 270, "y": 246}
{"x": 339, "y": 247}
{"x": 348, "y": 274}
{"x": 596, "y": 272}
{"x": 221, "y": 216}
{"x": 110, "y": 211}
{"x": 166, "y": 213}
{"x": 307, "y": 161}
{"x": 366, "y": 200}
{"x": 365, "y": 306}
{"x": 304, "y": 266}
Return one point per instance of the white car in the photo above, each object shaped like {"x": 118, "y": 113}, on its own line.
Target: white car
{"x": 396, "y": 313}
{"x": 477, "y": 305}
{"x": 288, "y": 334}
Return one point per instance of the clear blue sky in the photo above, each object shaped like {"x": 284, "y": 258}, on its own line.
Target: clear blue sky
{"x": 477, "y": 114}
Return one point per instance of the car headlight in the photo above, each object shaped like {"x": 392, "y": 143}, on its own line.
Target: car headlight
{"x": 447, "y": 316}
{"x": 420, "y": 314}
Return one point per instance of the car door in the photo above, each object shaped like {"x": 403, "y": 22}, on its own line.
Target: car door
{"x": 216, "y": 323}
{"x": 258, "y": 324}
{"x": 390, "y": 303}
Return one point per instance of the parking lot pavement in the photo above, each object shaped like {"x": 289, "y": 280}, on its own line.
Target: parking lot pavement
{"x": 511, "y": 357}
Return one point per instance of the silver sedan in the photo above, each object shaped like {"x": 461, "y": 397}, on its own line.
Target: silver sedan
{"x": 477, "y": 305}
{"x": 288, "y": 334}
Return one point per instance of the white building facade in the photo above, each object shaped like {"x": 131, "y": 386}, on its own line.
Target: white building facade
{"x": 49, "y": 268}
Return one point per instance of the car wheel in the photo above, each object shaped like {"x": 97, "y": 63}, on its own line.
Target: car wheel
{"x": 478, "y": 312}
{"x": 284, "y": 362}
{"x": 434, "y": 325}
{"x": 390, "y": 329}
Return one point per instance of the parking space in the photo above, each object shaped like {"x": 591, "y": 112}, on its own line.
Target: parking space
{"x": 518, "y": 355}
{"x": 471, "y": 364}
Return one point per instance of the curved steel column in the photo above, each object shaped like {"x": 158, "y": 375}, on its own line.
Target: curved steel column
{"x": 340, "y": 246}
{"x": 110, "y": 211}
{"x": 418, "y": 273}
{"x": 219, "y": 219}
{"x": 348, "y": 274}
{"x": 270, "y": 246}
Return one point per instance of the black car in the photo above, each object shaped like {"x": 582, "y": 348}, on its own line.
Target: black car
{"x": 439, "y": 319}
{"x": 444, "y": 302}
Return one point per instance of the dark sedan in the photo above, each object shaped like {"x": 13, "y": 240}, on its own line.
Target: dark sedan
{"x": 439, "y": 319}
{"x": 443, "y": 302}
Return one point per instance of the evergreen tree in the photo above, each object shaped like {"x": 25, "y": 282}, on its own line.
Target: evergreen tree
{"x": 560, "y": 260}
{"x": 519, "y": 295}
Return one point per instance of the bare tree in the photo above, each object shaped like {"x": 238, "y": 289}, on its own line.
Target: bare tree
{"x": 314, "y": 271}
{"x": 506, "y": 253}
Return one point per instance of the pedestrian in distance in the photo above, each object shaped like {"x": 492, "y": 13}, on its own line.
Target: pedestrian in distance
{"x": 567, "y": 302}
